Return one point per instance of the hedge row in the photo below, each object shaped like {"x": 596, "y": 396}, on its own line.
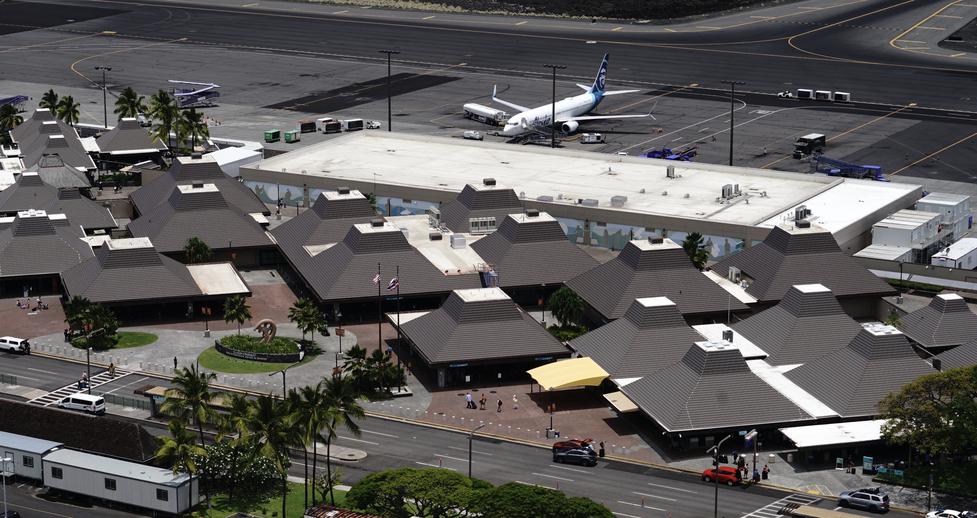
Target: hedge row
{"x": 278, "y": 345}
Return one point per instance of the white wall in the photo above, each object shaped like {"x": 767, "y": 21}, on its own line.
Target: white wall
{"x": 18, "y": 463}
{"x": 128, "y": 491}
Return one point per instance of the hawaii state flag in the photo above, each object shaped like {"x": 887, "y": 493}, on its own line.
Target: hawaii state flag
{"x": 376, "y": 279}
{"x": 394, "y": 284}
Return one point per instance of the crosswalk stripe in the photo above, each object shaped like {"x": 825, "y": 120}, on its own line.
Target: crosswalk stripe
{"x": 97, "y": 380}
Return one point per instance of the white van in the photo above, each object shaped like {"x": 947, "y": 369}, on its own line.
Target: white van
{"x": 15, "y": 345}
{"x": 84, "y": 402}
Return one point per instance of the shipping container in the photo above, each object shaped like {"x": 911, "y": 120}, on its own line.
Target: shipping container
{"x": 273, "y": 135}
{"x": 292, "y": 136}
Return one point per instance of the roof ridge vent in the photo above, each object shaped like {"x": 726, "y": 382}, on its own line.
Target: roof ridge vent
{"x": 488, "y": 182}
{"x": 376, "y": 222}
{"x": 656, "y": 240}
{"x": 532, "y": 213}
{"x": 342, "y": 190}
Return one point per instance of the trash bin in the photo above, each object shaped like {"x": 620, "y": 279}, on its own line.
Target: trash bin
{"x": 790, "y": 457}
{"x": 771, "y": 458}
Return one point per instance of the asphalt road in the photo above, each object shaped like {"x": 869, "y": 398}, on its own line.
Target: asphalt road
{"x": 629, "y": 490}
{"x": 840, "y": 48}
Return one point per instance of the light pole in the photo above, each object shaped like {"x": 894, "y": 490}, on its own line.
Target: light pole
{"x": 282, "y": 372}
{"x": 3, "y": 469}
{"x": 389, "y": 111}
{"x": 553, "y": 110}
{"x": 471, "y": 435}
{"x": 732, "y": 90}
{"x": 88, "y": 357}
{"x": 105, "y": 88}
{"x": 715, "y": 474}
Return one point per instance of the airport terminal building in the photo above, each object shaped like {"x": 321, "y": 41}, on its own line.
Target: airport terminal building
{"x": 599, "y": 200}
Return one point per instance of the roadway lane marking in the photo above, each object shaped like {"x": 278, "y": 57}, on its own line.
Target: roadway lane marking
{"x": 654, "y": 496}
{"x": 674, "y": 488}
{"x": 913, "y": 41}
{"x": 949, "y": 16}
{"x": 762, "y": 17}
{"x": 250, "y": 5}
{"x": 568, "y": 469}
{"x": 937, "y": 152}
{"x": 433, "y": 465}
{"x": 625, "y": 515}
{"x": 428, "y": 17}
{"x": 473, "y": 451}
{"x": 615, "y": 29}
{"x": 641, "y": 506}
{"x": 931, "y": 28}
{"x": 127, "y": 384}
{"x": 49, "y": 513}
{"x": 450, "y": 457}
{"x": 524, "y": 22}
{"x": 357, "y": 440}
{"x": 381, "y": 434}
{"x": 552, "y": 476}
{"x": 340, "y": 12}
{"x": 44, "y": 371}
{"x": 957, "y": 55}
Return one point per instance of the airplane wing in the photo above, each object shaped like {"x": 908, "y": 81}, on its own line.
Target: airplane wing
{"x": 514, "y": 106}
{"x": 603, "y": 117}
{"x": 619, "y": 92}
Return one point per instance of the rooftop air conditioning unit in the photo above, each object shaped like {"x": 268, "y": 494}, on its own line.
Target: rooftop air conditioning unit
{"x": 488, "y": 182}
{"x": 734, "y": 274}
{"x": 589, "y": 202}
{"x": 670, "y": 171}
{"x": 196, "y": 155}
{"x": 656, "y": 240}
{"x": 435, "y": 236}
{"x": 546, "y": 198}
{"x": 342, "y": 190}
{"x": 197, "y": 185}
{"x": 728, "y": 335}
{"x": 618, "y": 201}
{"x": 532, "y": 213}
{"x": 376, "y": 223}
{"x": 802, "y": 223}
{"x": 801, "y": 212}
{"x": 727, "y": 191}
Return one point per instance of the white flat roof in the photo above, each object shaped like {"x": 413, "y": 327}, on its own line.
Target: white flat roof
{"x": 446, "y": 164}
{"x": 887, "y": 253}
{"x": 405, "y": 316}
{"x": 353, "y": 194}
{"x": 715, "y": 345}
{"x": 129, "y": 243}
{"x": 944, "y": 198}
{"x": 834, "y": 433}
{"x": 738, "y": 292}
{"x": 120, "y": 468}
{"x": 217, "y": 279}
{"x": 714, "y": 332}
{"x": 950, "y": 296}
{"x": 233, "y": 154}
{"x": 481, "y": 294}
{"x": 193, "y": 189}
{"x": 646, "y": 244}
{"x": 958, "y": 249}
{"x": 525, "y": 218}
{"x": 25, "y": 443}
{"x": 440, "y": 253}
{"x": 651, "y": 302}
{"x": 880, "y": 329}
{"x": 774, "y": 376}
{"x": 908, "y": 219}
{"x": 847, "y": 202}
{"x": 812, "y": 288}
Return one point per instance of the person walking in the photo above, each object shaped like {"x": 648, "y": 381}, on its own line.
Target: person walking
{"x": 111, "y": 369}
{"x": 600, "y": 451}
{"x": 499, "y": 409}
{"x": 515, "y": 402}
{"x": 469, "y": 404}
{"x": 482, "y": 401}
{"x": 766, "y": 472}
{"x": 756, "y": 476}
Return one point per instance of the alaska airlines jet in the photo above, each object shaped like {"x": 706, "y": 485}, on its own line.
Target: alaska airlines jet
{"x": 570, "y": 112}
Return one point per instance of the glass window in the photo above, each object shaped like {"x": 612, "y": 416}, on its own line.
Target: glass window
{"x": 110, "y": 484}
{"x": 162, "y": 495}
{"x": 56, "y": 472}
{"x": 28, "y": 462}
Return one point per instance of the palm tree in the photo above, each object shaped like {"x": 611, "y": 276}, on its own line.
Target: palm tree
{"x": 101, "y": 319}
{"x": 305, "y": 315}
{"x": 299, "y": 433}
{"x": 235, "y": 423}
{"x": 270, "y": 422}
{"x": 236, "y": 309}
{"x": 695, "y": 248}
{"x": 68, "y": 110}
{"x": 49, "y": 100}
{"x": 191, "y": 124}
{"x": 340, "y": 410}
{"x": 197, "y": 251}
{"x": 129, "y": 104}
{"x": 180, "y": 449}
{"x": 190, "y": 397}
{"x": 566, "y": 306}
{"x": 10, "y": 118}
{"x": 356, "y": 366}
{"x": 312, "y": 412}
{"x": 163, "y": 107}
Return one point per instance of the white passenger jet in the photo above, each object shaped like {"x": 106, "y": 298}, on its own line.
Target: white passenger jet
{"x": 570, "y": 112}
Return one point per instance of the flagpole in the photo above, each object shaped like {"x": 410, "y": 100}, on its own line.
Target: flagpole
{"x": 379, "y": 309}
{"x": 399, "y": 348}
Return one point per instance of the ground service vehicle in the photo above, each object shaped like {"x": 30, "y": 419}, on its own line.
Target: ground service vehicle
{"x": 332, "y": 127}
{"x": 809, "y": 144}
{"x": 307, "y": 125}
{"x": 726, "y": 475}
{"x": 485, "y": 114}
{"x": 373, "y": 124}
{"x": 581, "y": 456}
{"x": 950, "y": 513}
{"x": 15, "y": 345}
{"x": 273, "y": 135}
{"x": 472, "y": 135}
{"x": 353, "y": 124}
{"x": 873, "y": 500}
{"x": 592, "y": 138}
{"x": 84, "y": 402}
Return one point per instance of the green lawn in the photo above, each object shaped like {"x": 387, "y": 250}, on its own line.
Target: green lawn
{"x": 213, "y": 360}
{"x": 124, "y": 340}
{"x": 294, "y": 505}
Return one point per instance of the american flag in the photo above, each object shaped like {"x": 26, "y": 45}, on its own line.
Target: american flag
{"x": 394, "y": 284}
{"x": 376, "y": 279}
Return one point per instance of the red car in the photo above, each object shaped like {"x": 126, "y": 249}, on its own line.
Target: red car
{"x": 727, "y": 475}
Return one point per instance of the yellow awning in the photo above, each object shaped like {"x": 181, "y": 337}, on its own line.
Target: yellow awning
{"x": 620, "y": 402}
{"x": 575, "y": 372}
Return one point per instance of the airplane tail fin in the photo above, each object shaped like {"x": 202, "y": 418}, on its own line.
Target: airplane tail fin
{"x": 601, "y": 79}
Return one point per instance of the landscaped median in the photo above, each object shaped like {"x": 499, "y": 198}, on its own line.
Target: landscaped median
{"x": 241, "y": 354}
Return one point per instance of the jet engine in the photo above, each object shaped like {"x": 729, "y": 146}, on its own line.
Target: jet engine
{"x": 569, "y": 126}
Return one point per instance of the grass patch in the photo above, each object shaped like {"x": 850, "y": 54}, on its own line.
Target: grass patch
{"x": 253, "y": 344}
{"x": 211, "y": 359}
{"x": 566, "y": 333}
{"x": 954, "y": 479}
{"x": 123, "y": 340}
{"x": 221, "y": 507}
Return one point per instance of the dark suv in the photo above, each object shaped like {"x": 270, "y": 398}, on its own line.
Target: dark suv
{"x": 582, "y": 456}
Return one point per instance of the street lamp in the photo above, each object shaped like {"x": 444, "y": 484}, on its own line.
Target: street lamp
{"x": 389, "y": 116}
{"x": 553, "y": 110}
{"x": 282, "y": 372}
{"x": 732, "y": 90}
{"x": 3, "y": 469}
{"x": 715, "y": 475}
{"x": 471, "y": 435}
{"x": 88, "y": 357}
{"x": 105, "y": 88}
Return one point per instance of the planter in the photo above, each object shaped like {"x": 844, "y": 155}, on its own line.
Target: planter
{"x": 260, "y": 357}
